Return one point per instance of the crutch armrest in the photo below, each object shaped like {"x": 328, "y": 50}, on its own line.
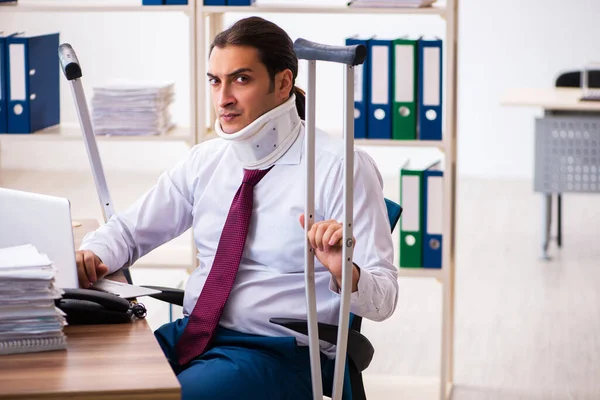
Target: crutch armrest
{"x": 349, "y": 55}
{"x": 169, "y": 295}
{"x": 360, "y": 350}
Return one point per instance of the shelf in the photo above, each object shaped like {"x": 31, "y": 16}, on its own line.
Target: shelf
{"x": 400, "y": 143}
{"x": 421, "y": 273}
{"x": 73, "y": 132}
{"x": 299, "y": 9}
{"x": 87, "y": 6}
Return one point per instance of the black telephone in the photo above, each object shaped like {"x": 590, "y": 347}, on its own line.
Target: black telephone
{"x": 88, "y": 306}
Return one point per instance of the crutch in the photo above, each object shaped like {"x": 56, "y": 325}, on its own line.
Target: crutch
{"x": 349, "y": 56}
{"x": 72, "y": 71}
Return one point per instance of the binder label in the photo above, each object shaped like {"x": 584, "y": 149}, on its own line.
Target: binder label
{"x": 358, "y": 83}
{"x": 404, "y": 74}
{"x": 431, "y": 76}
{"x": 380, "y": 75}
{"x": 435, "y": 196}
{"x": 17, "y": 72}
{"x": 411, "y": 201}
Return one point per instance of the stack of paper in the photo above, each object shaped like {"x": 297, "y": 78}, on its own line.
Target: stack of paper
{"x": 391, "y": 3}
{"x": 29, "y": 320}
{"x": 132, "y": 108}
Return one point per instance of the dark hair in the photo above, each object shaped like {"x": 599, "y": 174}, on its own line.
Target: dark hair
{"x": 275, "y": 49}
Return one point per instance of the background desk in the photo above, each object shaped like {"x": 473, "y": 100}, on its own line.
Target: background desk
{"x": 564, "y": 103}
{"x": 121, "y": 361}
{"x": 561, "y": 99}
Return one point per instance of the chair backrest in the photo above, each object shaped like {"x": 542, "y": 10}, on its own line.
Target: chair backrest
{"x": 394, "y": 211}
{"x": 573, "y": 79}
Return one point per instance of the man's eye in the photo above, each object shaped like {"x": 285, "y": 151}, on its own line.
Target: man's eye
{"x": 241, "y": 79}
{"x": 212, "y": 81}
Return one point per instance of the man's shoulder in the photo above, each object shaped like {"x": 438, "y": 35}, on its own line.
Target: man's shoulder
{"x": 331, "y": 147}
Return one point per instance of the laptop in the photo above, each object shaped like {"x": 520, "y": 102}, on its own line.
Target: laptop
{"x": 45, "y": 222}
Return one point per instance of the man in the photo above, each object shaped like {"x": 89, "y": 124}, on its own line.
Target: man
{"x": 243, "y": 195}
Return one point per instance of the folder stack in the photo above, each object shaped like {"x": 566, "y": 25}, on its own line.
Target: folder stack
{"x": 132, "y": 108}
{"x": 398, "y": 90}
{"x": 421, "y": 194}
{"x": 29, "y": 320}
{"x": 29, "y": 82}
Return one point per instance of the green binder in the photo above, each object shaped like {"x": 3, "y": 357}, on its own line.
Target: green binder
{"x": 404, "y": 84}
{"x": 411, "y": 222}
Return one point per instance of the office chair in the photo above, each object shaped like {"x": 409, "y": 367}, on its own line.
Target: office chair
{"x": 360, "y": 350}
{"x": 571, "y": 79}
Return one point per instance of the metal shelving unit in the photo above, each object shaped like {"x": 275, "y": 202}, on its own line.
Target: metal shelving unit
{"x": 213, "y": 18}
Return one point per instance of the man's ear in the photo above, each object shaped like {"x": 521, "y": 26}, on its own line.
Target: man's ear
{"x": 283, "y": 83}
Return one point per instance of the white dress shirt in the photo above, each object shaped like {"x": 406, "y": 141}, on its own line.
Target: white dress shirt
{"x": 197, "y": 193}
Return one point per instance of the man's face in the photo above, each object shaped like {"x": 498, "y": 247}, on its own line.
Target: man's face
{"x": 241, "y": 88}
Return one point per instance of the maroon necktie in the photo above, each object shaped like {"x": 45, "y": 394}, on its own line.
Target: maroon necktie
{"x": 207, "y": 312}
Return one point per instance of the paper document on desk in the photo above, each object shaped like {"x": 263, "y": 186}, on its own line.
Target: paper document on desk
{"x": 29, "y": 319}
{"x": 23, "y": 257}
{"x": 123, "y": 290}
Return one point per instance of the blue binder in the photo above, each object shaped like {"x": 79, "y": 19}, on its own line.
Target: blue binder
{"x": 432, "y": 207}
{"x": 430, "y": 89}
{"x": 176, "y": 2}
{"x": 379, "y": 121}
{"x": 3, "y": 101}
{"x": 215, "y": 2}
{"x": 361, "y": 91}
{"x": 153, "y": 2}
{"x": 33, "y": 83}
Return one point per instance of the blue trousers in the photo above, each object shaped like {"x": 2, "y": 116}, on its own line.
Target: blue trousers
{"x": 241, "y": 366}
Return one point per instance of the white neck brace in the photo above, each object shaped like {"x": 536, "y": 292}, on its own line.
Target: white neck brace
{"x": 265, "y": 140}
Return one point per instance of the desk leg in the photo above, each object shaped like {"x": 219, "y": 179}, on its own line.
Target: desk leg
{"x": 559, "y": 221}
{"x": 546, "y": 220}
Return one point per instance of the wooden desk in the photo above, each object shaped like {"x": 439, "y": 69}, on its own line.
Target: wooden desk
{"x": 554, "y": 101}
{"x": 121, "y": 361}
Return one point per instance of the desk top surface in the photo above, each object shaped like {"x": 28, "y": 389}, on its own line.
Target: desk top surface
{"x": 549, "y": 99}
{"x": 121, "y": 361}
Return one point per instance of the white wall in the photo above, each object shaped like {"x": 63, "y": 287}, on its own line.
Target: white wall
{"x": 504, "y": 44}
{"x": 514, "y": 43}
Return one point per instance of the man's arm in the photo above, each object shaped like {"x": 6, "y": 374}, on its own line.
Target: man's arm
{"x": 376, "y": 276}
{"x": 161, "y": 214}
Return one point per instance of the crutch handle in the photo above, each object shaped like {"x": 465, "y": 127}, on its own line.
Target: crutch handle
{"x": 349, "y": 55}
{"x": 69, "y": 62}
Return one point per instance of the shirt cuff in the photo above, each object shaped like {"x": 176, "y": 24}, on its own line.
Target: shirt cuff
{"x": 105, "y": 255}
{"x": 361, "y": 301}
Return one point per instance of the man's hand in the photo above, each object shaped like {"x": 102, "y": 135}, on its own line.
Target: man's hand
{"x": 325, "y": 238}
{"x": 89, "y": 268}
